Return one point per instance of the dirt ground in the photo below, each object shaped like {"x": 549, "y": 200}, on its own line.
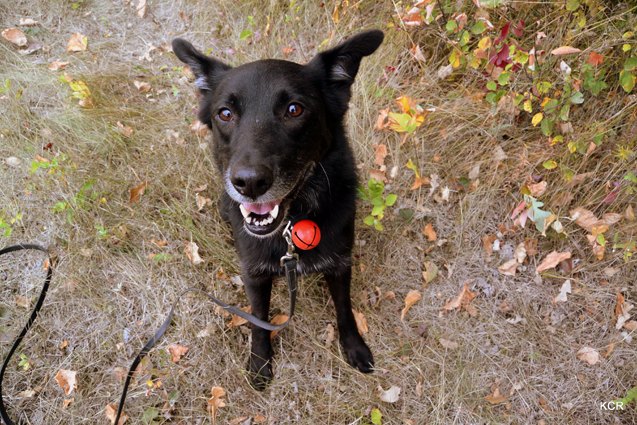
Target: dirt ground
{"x": 508, "y": 356}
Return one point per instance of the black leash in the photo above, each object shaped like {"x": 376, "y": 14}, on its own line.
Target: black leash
{"x": 288, "y": 262}
{"x": 34, "y": 314}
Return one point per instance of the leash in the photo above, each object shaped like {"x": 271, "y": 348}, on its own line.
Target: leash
{"x": 34, "y": 314}
{"x": 288, "y": 262}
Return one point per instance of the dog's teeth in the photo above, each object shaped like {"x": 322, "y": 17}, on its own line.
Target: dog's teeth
{"x": 244, "y": 211}
{"x": 275, "y": 212}
{"x": 248, "y": 219}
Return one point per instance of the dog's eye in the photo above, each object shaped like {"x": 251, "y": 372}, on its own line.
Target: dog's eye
{"x": 294, "y": 110}
{"x": 225, "y": 114}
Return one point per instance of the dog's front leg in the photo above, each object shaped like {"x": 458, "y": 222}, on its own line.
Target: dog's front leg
{"x": 258, "y": 289}
{"x": 357, "y": 352}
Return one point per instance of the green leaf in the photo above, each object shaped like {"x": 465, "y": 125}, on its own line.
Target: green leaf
{"x": 550, "y": 164}
{"x": 491, "y": 97}
{"x": 451, "y": 25}
{"x": 478, "y": 27}
{"x": 577, "y": 98}
{"x": 150, "y": 414}
{"x": 630, "y": 64}
{"x": 565, "y": 111}
{"x": 572, "y": 5}
{"x": 246, "y": 33}
{"x": 627, "y": 80}
{"x": 391, "y": 199}
{"x": 377, "y": 210}
{"x": 631, "y": 177}
{"x": 543, "y": 87}
{"x": 376, "y": 417}
{"x": 369, "y": 220}
{"x": 464, "y": 38}
{"x": 503, "y": 78}
{"x": 601, "y": 240}
{"x": 492, "y": 85}
{"x": 547, "y": 127}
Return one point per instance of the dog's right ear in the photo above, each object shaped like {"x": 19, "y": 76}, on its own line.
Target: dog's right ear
{"x": 205, "y": 68}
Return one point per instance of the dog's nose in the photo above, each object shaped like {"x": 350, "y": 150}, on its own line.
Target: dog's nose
{"x": 252, "y": 181}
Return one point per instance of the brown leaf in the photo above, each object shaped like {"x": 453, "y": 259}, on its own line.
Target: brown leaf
{"x": 15, "y": 36}
{"x": 141, "y": 8}
{"x": 538, "y": 189}
{"x": 520, "y": 252}
{"x": 329, "y": 334}
{"x": 530, "y": 244}
{"x": 142, "y": 86}
{"x": 509, "y": 268}
{"x": 584, "y": 218}
{"x": 487, "y": 243}
{"x": 191, "y": 250}
{"x": 412, "y": 298}
{"x": 429, "y": 232}
{"x": 57, "y": 65}
{"x": 111, "y": 413}
{"x": 588, "y": 355}
{"x": 629, "y": 213}
{"x": 66, "y": 380}
{"x": 496, "y": 397}
{"x": 552, "y": 260}
{"x": 215, "y": 402}
{"x": 124, "y": 130}
{"x": 380, "y": 152}
{"x": 77, "y": 43}
{"x": 565, "y": 50}
{"x": 177, "y": 351}
{"x": 431, "y": 271}
{"x": 462, "y": 300}
{"x": 278, "y": 319}
{"x": 381, "y": 120}
{"x": 378, "y": 175}
{"x": 199, "y": 128}
{"x": 361, "y": 322}
{"x": 237, "y": 321}
{"x": 202, "y": 201}
{"x": 67, "y": 402}
{"x": 137, "y": 192}
{"x": 419, "y": 181}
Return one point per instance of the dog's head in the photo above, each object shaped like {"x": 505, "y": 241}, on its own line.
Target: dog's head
{"x": 272, "y": 121}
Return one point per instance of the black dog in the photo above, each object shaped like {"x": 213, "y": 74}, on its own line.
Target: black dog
{"x": 281, "y": 148}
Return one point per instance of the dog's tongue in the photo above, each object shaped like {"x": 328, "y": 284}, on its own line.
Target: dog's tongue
{"x": 260, "y": 209}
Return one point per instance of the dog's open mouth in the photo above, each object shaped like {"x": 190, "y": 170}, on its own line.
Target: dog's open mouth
{"x": 262, "y": 219}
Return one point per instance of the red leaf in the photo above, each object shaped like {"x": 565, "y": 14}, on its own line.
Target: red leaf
{"x": 518, "y": 28}
{"x": 503, "y": 33}
{"x": 501, "y": 58}
{"x": 595, "y": 59}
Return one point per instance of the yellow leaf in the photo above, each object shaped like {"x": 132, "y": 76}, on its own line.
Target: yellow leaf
{"x": 528, "y": 106}
{"x": 484, "y": 43}
{"x": 412, "y": 298}
{"x": 537, "y": 118}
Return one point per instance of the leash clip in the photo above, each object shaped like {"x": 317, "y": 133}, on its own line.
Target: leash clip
{"x": 289, "y": 255}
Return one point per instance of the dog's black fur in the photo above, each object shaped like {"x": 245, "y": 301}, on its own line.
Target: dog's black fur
{"x": 279, "y": 142}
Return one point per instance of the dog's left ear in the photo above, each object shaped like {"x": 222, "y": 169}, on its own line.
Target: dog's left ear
{"x": 206, "y": 69}
{"x": 338, "y": 66}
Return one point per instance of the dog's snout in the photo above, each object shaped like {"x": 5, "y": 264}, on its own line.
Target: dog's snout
{"x": 252, "y": 181}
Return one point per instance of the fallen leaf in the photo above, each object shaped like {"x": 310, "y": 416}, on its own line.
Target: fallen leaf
{"x": 537, "y": 189}
{"x": 629, "y": 213}
{"x": 487, "y": 243}
{"x": 588, "y": 355}
{"x": 237, "y": 321}
{"x": 329, "y": 334}
{"x": 609, "y": 219}
{"x": 57, "y": 65}
{"x": 215, "y": 402}
{"x": 429, "y": 232}
{"x": 202, "y": 201}
{"x": 520, "y": 252}
{"x": 15, "y": 36}
{"x": 530, "y": 244}
{"x": 509, "y": 268}
{"x": 278, "y": 319}
{"x": 77, "y": 43}
{"x": 124, "y": 130}
{"x": 431, "y": 271}
{"x": 12, "y": 161}
{"x": 595, "y": 59}
{"x": 137, "y": 192}
{"x": 27, "y": 393}
{"x": 141, "y": 8}
{"x": 566, "y": 289}
{"x": 496, "y": 397}
{"x": 631, "y": 325}
{"x": 448, "y": 344}
{"x": 382, "y": 121}
{"x": 389, "y": 396}
{"x": 361, "y": 322}
{"x": 67, "y": 402}
{"x": 142, "y": 86}
{"x": 380, "y": 152}
{"x": 474, "y": 173}
{"x": 412, "y": 298}
{"x": 418, "y": 182}
{"x": 199, "y": 128}
{"x": 462, "y": 300}
{"x": 191, "y": 250}
{"x": 111, "y": 413}
{"x": 28, "y": 22}
{"x": 66, "y": 380}
{"x": 565, "y": 50}
{"x": 552, "y": 260}
{"x": 177, "y": 351}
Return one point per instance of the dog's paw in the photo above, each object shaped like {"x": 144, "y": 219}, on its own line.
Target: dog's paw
{"x": 260, "y": 371}
{"x": 358, "y": 353}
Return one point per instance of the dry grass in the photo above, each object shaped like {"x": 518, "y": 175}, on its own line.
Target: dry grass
{"x": 109, "y": 296}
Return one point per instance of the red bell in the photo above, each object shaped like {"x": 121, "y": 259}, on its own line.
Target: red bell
{"x": 306, "y": 235}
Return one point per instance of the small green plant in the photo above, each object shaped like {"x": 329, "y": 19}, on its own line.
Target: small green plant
{"x": 24, "y": 362}
{"x": 6, "y": 224}
{"x": 631, "y": 396}
{"x": 247, "y": 32}
{"x": 376, "y": 416}
{"x": 374, "y": 195}
{"x": 80, "y": 200}
{"x": 53, "y": 165}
